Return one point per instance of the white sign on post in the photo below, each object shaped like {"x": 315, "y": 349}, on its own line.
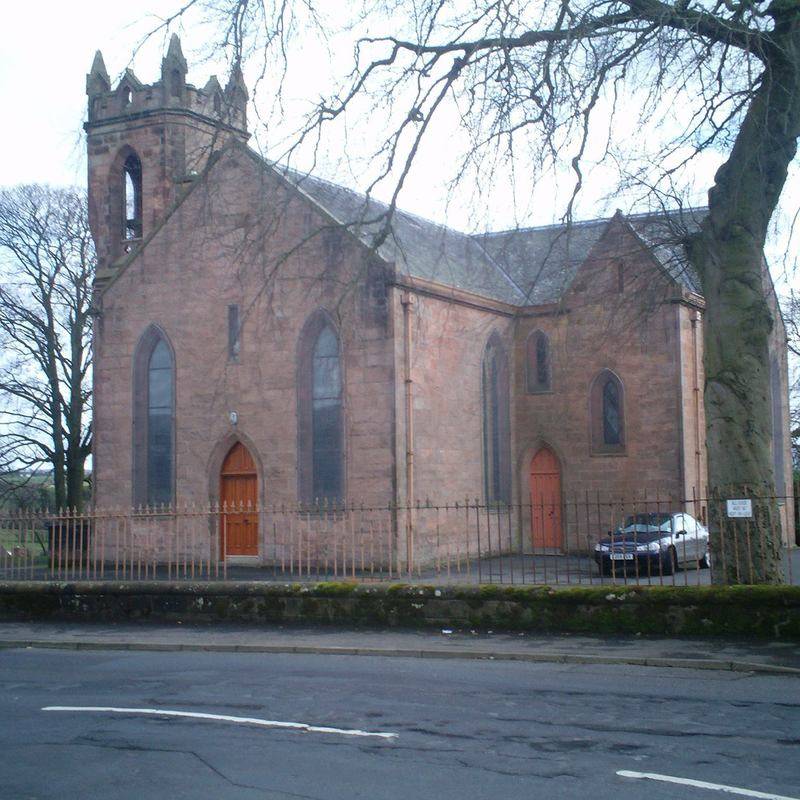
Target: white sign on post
{"x": 740, "y": 508}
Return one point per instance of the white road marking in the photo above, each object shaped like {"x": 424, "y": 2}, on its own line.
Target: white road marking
{"x": 264, "y": 723}
{"x": 717, "y": 787}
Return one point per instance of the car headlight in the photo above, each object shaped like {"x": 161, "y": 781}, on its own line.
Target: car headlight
{"x": 599, "y": 548}
{"x": 650, "y": 547}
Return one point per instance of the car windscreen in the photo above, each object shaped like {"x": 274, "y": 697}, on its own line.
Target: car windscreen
{"x": 647, "y": 522}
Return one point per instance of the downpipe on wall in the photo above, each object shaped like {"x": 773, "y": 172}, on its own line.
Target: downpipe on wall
{"x": 407, "y": 302}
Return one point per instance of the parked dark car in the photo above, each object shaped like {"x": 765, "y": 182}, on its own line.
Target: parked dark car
{"x": 654, "y": 543}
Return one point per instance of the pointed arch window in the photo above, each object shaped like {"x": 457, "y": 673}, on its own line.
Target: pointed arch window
{"x": 608, "y": 413}
{"x": 496, "y": 423}
{"x": 612, "y": 414}
{"x": 154, "y": 421}
{"x": 537, "y": 363}
{"x": 132, "y": 197}
{"x": 320, "y": 413}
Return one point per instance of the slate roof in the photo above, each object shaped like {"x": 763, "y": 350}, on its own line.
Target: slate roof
{"x": 527, "y": 266}
{"x": 418, "y": 247}
{"x": 543, "y": 261}
{"x": 663, "y": 232}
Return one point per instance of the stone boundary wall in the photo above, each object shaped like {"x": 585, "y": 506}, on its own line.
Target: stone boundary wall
{"x": 746, "y": 611}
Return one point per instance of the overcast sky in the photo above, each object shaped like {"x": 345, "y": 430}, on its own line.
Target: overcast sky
{"x": 48, "y": 46}
{"x": 47, "y": 49}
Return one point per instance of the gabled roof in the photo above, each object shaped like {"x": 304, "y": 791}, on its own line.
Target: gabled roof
{"x": 521, "y": 267}
{"x": 663, "y": 234}
{"x": 525, "y": 266}
{"x": 418, "y": 247}
{"x": 543, "y": 261}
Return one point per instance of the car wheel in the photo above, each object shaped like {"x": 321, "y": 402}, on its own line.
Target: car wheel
{"x": 705, "y": 561}
{"x": 669, "y": 564}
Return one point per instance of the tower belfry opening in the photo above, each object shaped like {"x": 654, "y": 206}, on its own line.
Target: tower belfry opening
{"x": 132, "y": 228}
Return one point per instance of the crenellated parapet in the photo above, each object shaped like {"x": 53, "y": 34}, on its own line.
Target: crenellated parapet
{"x": 132, "y": 98}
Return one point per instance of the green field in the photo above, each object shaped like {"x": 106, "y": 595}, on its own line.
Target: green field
{"x": 10, "y": 538}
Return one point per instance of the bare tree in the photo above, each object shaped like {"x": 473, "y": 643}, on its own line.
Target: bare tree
{"x": 539, "y": 80}
{"x": 791, "y": 316}
{"x": 47, "y": 263}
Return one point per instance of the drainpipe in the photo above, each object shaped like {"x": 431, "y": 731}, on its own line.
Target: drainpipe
{"x": 696, "y": 393}
{"x": 407, "y": 302}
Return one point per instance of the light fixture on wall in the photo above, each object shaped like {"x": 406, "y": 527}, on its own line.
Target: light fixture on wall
{"x": 234, "y": 417}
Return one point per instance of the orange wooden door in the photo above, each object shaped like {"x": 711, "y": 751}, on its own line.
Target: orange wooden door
{"x": 238, "y": 494}
{"x": 546, "y": 499}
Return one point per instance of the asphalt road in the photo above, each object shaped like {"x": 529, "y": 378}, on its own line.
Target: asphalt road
{"x": 464, "y": 729}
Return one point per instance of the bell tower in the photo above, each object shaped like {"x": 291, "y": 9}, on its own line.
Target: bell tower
{"x": 146, "y": 142}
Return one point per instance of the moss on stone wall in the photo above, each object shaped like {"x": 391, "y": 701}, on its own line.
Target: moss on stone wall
{"x": 763, "y": 611}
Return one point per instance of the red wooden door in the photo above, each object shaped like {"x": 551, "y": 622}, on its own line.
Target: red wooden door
{"x": 238, "y": 495}
{"x": 545, "y": 486}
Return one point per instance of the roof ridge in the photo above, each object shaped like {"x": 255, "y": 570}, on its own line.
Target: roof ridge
{"x": 665, "y": 212}
{"x": 585, "y": 223}
{"x": 639, "y": 215}
{"x": 463, "y": 253}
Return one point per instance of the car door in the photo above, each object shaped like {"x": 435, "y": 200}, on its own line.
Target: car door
{"x": 693, "y": 544}
{"x": 684, "y": 534}
{"x": 701, "y": 539}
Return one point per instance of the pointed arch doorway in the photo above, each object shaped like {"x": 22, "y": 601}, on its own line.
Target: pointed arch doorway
{"x": 545, "y": 494}
{"x": 238, "y": 497}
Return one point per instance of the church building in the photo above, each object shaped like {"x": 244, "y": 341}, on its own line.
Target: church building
{"x": 251, "y": 345}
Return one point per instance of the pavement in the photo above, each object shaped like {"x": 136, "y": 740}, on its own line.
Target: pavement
{"x": 753, "y": 656}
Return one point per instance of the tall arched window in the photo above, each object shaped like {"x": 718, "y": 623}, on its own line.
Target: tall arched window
{"x": 132, "y": 198}
{"x": 496, "y": 423}
{"x": 612, "y": 413}
{"x": 537, "y": 363}
{"x": 607, "y": 408}
{"x": 154, "y": 420}
{"x": 320, "y": 413}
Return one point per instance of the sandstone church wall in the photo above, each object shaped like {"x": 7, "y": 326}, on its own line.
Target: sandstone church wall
{"x": 448, "y": 343}
{"x": 449, "y": 335}
{"x": 234, "y": 240}
{"x": 781, "y": 419}
{"x": 618, "y": 315}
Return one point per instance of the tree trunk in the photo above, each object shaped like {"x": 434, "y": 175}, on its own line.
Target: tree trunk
{"x": 728, "y": 254}
{"x": 75, "y": 476}
{"x": 74, "y": 455}
{"x": 738, "y": 413}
